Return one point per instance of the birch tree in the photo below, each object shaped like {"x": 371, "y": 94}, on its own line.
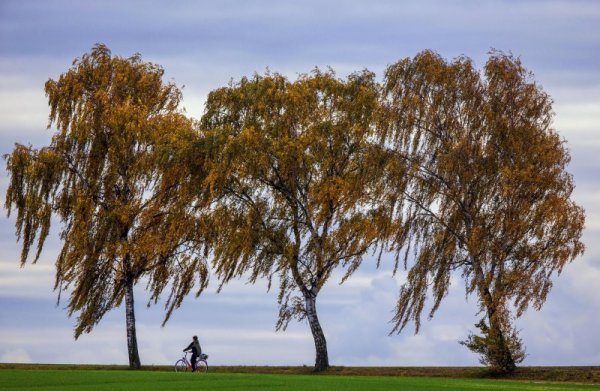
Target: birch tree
{"x": 114, "y": 176}
{"x": 296, "y": 181}
{"x": 490, "y": 197}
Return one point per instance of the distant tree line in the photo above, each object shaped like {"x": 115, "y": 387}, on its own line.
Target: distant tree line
{"x": 446, "y": 170}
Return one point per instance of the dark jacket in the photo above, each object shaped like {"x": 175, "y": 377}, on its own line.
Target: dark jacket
{"x": 194, "y": 347}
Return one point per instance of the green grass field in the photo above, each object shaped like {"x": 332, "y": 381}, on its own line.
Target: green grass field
{"x": 19, "y": 379}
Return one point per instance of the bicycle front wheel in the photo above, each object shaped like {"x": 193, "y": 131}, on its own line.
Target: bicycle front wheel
{"x": 180, "y": 366}
{"x": 201, "y": 366}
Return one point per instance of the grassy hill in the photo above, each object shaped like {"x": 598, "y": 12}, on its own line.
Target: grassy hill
{"x": 116, "y": 377}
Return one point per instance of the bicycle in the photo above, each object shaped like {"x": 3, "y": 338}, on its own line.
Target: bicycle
{"x": 184, "y": 365}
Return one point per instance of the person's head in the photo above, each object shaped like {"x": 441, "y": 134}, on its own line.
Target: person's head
{"x": 195, "y": 337}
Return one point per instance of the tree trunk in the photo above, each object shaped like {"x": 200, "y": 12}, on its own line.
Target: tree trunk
{"x": 501, "y": 351}
{"x": 134, "y": 357}
{"x": 322, "y": 360}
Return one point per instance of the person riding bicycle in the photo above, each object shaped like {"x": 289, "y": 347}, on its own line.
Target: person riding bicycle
{"x": 194, "y": 346}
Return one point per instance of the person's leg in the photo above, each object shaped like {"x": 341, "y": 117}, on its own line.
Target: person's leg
{"x": 194, "y": 358}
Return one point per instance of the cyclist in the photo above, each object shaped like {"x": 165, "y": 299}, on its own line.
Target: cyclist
{"x": 194, "y": 346}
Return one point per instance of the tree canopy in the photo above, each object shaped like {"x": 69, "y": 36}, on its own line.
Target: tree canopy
{"x": 115, "y": 176}
{"x": 489, "y": 195}
{"x": 297, "y": 184}
{"x": 452, "y": 170}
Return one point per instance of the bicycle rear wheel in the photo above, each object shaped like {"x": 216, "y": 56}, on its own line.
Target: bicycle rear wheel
{"x": 201, "y": 366}
{"x": 180, "y": 366}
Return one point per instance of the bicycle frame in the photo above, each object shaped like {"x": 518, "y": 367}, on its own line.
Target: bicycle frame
{"x": 201, "y": 364}
{"x": 187, "y": 362}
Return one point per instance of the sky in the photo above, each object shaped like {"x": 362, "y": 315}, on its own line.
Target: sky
{"x": 202, "y": 45}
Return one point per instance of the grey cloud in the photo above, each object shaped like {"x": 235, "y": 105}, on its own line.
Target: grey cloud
{"x": 315, "y": 33}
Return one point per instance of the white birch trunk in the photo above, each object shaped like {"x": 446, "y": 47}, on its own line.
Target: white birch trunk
{"x": 322, "y": 360}
{"x": 134, "y": 357}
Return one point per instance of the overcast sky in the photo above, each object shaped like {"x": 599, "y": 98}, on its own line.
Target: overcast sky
{"x": 202, "y": 45}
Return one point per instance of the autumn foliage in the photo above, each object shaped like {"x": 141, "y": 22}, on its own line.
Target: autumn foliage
{"x": 445, "y": 169}
{"x": 114, "y": 178}
{"x": 489, "y": 196}
{"x": 297, "y": 184}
